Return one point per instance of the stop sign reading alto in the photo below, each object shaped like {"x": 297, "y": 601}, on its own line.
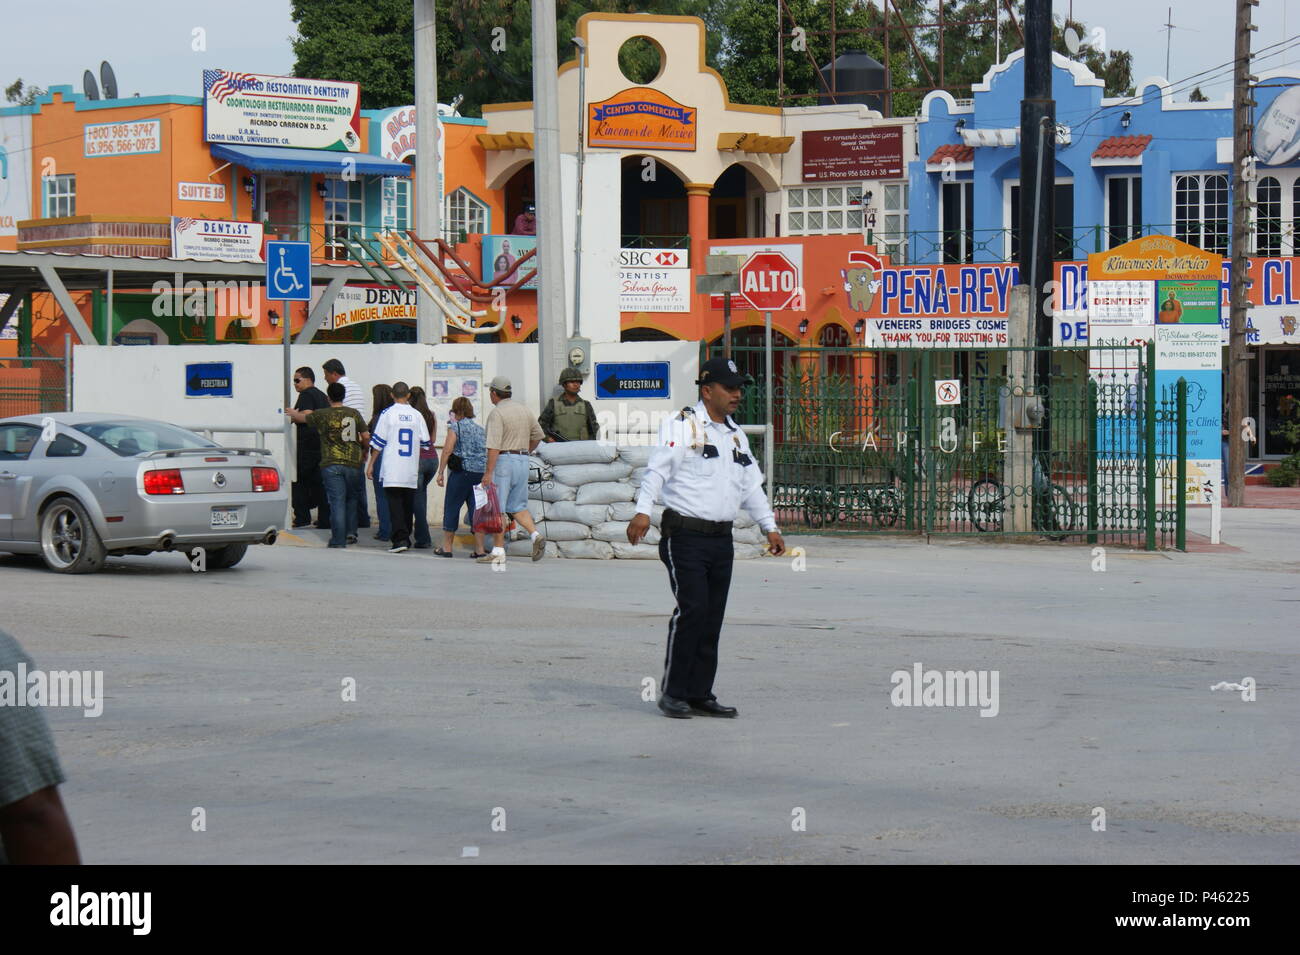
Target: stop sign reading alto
{"x": 769, "y": 281}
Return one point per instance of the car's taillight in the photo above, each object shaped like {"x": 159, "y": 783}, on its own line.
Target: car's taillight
{"x": 164, "y": 482}
{"x": 266, "y": 479}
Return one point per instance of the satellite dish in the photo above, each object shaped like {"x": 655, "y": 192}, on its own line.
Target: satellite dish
{"x": 107, "y": 80}
{"x": 88, "y": 84}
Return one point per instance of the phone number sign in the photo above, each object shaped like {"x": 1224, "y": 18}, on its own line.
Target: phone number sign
{"x": 123, "y": 139}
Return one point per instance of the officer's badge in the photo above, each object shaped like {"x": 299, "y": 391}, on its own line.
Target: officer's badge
{"x": 732, "y": 366}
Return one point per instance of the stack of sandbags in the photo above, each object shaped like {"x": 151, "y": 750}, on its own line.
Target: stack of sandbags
{"x": 583, "y": 497}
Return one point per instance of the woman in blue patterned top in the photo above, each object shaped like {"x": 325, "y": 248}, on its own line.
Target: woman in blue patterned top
{"x": 467, "y": 439}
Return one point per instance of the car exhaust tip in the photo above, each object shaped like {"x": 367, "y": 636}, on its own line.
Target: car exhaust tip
{"x": 167, "y": 542}
{"x": 270, "y": 537}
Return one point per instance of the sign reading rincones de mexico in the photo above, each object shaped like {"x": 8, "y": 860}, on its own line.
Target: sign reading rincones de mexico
{"x": 641, "y": 118}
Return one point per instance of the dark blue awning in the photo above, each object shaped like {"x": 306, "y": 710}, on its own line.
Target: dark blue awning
{"x": 284, "y": 159}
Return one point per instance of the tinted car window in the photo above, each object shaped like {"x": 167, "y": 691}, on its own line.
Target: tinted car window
{"x": 65, "y": 447}
{"x": 17, "y": 441}
{"x": 128, "y": 438}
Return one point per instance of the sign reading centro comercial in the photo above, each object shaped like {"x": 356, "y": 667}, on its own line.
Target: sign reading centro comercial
{"x": 832, "y": 155}
{"x": 259, "y": 110}
{"x": 641, "y": 118}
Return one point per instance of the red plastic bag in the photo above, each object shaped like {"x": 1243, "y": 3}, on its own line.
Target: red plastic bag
{"x": 487, "y": 519}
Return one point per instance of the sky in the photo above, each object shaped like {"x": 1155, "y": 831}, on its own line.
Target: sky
{"x": 150, "y": 43}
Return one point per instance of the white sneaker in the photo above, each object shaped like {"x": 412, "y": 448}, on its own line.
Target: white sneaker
{"x": 539, "y": 547}
{"x": 397, "y": 548}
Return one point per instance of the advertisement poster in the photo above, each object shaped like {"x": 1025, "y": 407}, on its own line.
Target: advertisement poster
{"x": 654, "y": 280}
{"x": 502, "y": 251}
{"x": 223, "y": 239}
{"x": 130, "y": 138}
{"x": 641, "y": 118}
{"x": 1189, "y": 302}
{"x": 356, "y": 304}
{"x": 445, "y": 381}
{"x": 15, "y": 172}
{"x": 1121, "y": 302}
{"x": 836, "y": 155}
{"x": 256, "y": 109}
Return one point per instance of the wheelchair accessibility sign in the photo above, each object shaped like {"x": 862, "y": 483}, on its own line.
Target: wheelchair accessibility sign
{"x": 288, "y": 271}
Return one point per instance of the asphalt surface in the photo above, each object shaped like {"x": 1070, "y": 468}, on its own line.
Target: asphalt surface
{"x": 516, "y": 698}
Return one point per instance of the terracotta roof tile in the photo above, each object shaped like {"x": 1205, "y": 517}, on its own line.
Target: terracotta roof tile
{"x": 954, "y": 151}
{"x": 1121, "y": 147}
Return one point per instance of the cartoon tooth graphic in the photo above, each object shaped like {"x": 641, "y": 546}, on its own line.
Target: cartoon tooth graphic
{"x": 860, "y": 279}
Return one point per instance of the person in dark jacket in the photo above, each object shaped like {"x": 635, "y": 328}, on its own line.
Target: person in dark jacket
{"x": 308, "y": 491}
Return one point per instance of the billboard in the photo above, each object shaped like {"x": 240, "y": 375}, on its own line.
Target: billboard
{"x": 641, "y": 118}
{"x": 502, "y": 251}
{"x": 254, "y": 109}
{"x": 356, "y": 304}
{"x": 836, "y": 155}
{"x": 216, "y": 239}
{"x": 15, "y": 172}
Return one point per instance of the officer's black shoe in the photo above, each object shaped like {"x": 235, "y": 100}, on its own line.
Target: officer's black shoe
{"x": 677, "y": 709}
{"x": 713, "y": 708}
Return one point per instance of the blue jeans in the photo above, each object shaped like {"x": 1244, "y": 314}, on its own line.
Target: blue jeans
{"x": 460, "y": 493}
{"x": 420, "y": 507}
{"x": 343, "y": 488}
{"x": 381, "y": 501}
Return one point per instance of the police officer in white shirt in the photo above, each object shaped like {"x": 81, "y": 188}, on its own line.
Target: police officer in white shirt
{"x": 703, "y": 471}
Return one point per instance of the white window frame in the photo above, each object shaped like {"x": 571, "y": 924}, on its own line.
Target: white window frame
{"x": 1290, "y": 212}
{"x": 852, "y": 214}
{"x": 58, "y": 202}
{"x": 456, "y": 208}
{"x": 895, "y": 248}
{"x": 352, "y": 197}
{"x": 1006, "y": 210}
{"x": 1135, "y": 220}
{"x": 1203, "y": 174}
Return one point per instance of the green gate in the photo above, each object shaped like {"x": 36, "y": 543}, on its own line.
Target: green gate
{"x": 866, "y": 441}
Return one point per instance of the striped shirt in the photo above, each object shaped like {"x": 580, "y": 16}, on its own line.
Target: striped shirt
{"x": 355, "y": 398}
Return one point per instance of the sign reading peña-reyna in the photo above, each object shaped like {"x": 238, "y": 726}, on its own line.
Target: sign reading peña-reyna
{"x": 257, "y": 109}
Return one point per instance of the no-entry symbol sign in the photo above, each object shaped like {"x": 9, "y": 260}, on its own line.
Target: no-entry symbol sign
{"x": 947, "y": 391}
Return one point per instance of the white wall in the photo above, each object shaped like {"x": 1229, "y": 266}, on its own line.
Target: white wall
{"x": 601, "y": 239}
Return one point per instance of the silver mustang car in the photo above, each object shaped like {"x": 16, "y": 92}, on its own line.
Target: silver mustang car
{"x": 78, "y": 487}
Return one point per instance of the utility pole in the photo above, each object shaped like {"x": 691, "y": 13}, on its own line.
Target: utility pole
{"x": 1038, "y": 175}
{"x": 551, "y": 324}
{"x": 1243, "y": 128}
{"x": 428, "y": 198}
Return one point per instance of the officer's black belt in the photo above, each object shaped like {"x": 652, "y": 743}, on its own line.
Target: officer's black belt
{"x": 673, "y": 521}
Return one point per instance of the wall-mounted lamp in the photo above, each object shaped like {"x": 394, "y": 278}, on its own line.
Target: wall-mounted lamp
{"x": 860, "y": 326}
{"x": 803, "y": 327}
{"x": 1126, "y": 119}
{"x": 867, "y": 197}
{"x": 249, "y": 184}
{"x": 321, "y": 189}
{"x": 274, "y": 316}
{"x": 961, "y": 124}
{"x": 517, "y": 322}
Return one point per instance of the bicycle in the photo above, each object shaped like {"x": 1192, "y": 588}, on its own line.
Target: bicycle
{"x": 1054, "y": 510}
{"x": 824, "y": 505}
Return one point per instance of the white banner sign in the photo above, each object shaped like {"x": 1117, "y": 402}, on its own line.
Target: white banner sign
{"x": 261, "y": 110}
{"x": 216, "y": 239}
{"x": 201, "y": 191}
{"x": 130, "y": 138}
{"x": 654, "y": 280}
{"x": 15, "y": 172}
{"x": 1188, "y": 347}
{"x": 357, "y": 303}
{"x": 936, "y": 333}
{"x": 1121, "y": 303}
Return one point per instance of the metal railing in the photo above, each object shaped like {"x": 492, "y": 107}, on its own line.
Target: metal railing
{"x": 961, "y": 246}
{"x": 656, "y": 241}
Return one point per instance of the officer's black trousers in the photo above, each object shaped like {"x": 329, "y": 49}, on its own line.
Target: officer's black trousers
{"x": 699, "y": 571}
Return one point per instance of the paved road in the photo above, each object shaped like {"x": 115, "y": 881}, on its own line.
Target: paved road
{"x": 522, "y": 691}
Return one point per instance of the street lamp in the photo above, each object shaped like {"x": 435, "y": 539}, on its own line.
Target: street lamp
{"x": 803, "y": 327}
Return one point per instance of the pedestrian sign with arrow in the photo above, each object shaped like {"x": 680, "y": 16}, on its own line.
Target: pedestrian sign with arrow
{"x": 646, "y": 379}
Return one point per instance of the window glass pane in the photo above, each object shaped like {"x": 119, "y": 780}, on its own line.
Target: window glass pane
{"x": 893, "y": 193}
{"x": 814, "y": 197}
{"x": 1268, "y": 217}
{"x": 835, "y": 196}
{"x": 795, "y": 222}
{"x": 855, "y": 220}
{"x": 815, "y": 220}
{"x": 796, "y": 198}
{"x": 854, "y": 194}
{"x": 835, "y": 221}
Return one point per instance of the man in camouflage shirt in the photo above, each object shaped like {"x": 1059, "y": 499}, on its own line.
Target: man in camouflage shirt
{"x": 343, "y": 436}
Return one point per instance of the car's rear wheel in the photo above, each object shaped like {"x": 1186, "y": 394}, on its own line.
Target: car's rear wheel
{"x": 219, "y": 558}
{"x": 69, "y": 542}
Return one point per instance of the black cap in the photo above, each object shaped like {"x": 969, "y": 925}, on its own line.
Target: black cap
{"x": 721, "y": 371}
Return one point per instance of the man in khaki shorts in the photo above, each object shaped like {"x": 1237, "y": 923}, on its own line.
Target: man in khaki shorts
{"x": 512, "y": 432}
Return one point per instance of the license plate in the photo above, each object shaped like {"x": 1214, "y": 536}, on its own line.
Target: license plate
{"x": 226, "y": 517}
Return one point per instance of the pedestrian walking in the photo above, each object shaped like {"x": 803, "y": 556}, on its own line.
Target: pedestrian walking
{"x": 342, "y": 434}
{"x": 512, "y": 434}
{"x": 464, "y": 455}
{"x": 308, "y": 493}
{"x": 399, "y": 436}
{"x": 381, "y": 398}
{"x": 568, "y": 416}
{"x": 428, "y": 468}
{"x": 354, "y": 398}
{"x": 704, "y": 472}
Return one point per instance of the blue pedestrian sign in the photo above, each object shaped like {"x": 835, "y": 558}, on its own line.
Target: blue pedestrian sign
{"x": 642, "y": 379}
{"x": 288, "y": 271}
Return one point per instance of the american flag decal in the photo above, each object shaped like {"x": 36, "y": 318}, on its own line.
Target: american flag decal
{"x": 220, "y": 84}
{"x": 183, "y": 224}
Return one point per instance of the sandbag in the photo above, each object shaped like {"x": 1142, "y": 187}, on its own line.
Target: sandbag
{"x": 640, "y": 552}
{"x": 589, "y": 514}
{"x": 590, "y": 550}
{"x": 610, "y": 531}
{"x": 576, "y": 475}
{"x": 577, "y": 452}
{"x": 748, "y": 535}
{"x": 605, "y": 493}
{"x": 524, "y": 548}
{"x": 637, "y": 456}
{"x": 622, "y": 511}
{"x": 637, "y": 475}
{"x": 552, "y": 491}
{"x": 564, "y": 530}
{"x": 746, "y": 551}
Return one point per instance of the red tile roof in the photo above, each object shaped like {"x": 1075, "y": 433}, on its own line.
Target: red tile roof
{"x": 954, "y": 151}
{"x": 1122, "y": 147}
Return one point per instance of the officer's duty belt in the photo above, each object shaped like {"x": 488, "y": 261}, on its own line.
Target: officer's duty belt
{"x": 672, "y": 522}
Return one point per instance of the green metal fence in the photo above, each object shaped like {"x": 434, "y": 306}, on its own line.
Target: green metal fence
{"x": 865, "y": 442}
